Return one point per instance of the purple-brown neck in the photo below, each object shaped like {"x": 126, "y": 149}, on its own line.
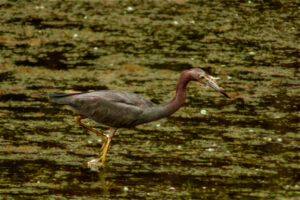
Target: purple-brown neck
{"x": 156, "y": 112}
{"x": 180, "y": 96}
{"x": 165, "y": 110}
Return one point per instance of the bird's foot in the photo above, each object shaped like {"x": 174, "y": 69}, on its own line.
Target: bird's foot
{"x": 95, "y": 164}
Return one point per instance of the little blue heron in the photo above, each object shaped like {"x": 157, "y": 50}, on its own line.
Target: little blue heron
{"x": 120, "y": 109}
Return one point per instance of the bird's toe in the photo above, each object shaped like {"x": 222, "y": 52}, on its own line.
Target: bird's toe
{"x": 95, "y": 165}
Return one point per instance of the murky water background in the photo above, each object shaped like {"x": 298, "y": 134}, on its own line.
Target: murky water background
{"x": 213, "y": 148}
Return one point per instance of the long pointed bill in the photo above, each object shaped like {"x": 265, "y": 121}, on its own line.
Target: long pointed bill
{"x": 210, "y": 81}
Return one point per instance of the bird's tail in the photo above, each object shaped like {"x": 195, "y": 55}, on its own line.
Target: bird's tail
{"x": 60, "y": 98}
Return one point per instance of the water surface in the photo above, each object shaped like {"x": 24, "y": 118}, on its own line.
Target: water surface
{"x": 246, "y": 147}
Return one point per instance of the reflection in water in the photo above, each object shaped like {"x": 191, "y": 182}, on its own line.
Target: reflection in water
{"x": 245, "y": 148}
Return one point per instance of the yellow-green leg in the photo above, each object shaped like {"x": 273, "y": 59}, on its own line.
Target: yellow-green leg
{"x": 78, "y": 121}
{"x": 100, "y": 162}
{"x": 105, "y": 147}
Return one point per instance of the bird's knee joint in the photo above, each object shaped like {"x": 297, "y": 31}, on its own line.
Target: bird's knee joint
{"x": 111, "y": 133}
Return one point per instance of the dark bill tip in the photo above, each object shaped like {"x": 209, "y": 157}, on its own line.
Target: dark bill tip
{"x": 225, "y": 94}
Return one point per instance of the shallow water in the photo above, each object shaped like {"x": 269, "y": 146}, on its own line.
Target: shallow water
{"x": 246, "y": 147}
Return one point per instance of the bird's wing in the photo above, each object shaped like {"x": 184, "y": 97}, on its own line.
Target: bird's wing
{"x": 107, "y": 95}
{"x": 124, "y": 97}
{"x": 111, "y": 107}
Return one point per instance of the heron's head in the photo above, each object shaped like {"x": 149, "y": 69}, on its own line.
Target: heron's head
{"x": 200, "y": 76}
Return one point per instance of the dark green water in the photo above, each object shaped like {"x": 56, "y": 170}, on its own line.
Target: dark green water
{"x": 246, "y": 147}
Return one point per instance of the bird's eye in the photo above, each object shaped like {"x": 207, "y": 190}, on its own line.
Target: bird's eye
{"x": 202, "y": 78}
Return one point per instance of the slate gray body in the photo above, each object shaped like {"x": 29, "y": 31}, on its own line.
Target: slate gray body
{"x": 111, "y": 107}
